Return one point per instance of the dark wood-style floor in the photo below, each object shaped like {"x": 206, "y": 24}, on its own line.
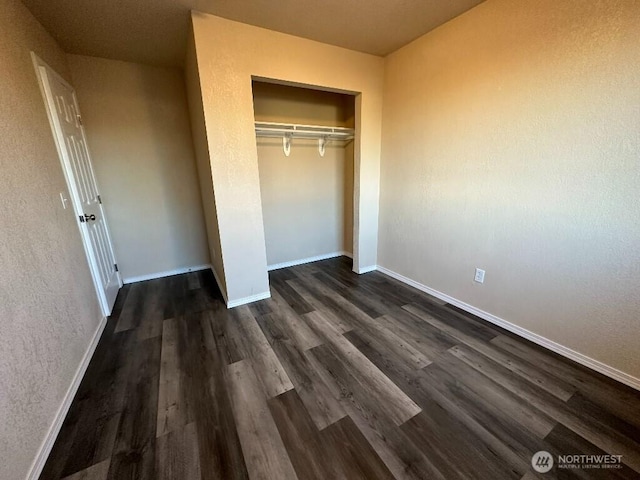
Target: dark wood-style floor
{"x": 337, "y": 376}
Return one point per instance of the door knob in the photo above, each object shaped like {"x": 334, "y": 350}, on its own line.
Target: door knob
{"x": 89, "y": 217}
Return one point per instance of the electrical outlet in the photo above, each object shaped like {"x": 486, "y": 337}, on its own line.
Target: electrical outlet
{"x": 479, "y": 275}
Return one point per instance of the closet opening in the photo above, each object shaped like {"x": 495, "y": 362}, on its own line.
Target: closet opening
{"x": 306, "y": 158}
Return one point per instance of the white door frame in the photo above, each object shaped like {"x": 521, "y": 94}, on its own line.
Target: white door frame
{"x": 41, "y": 67}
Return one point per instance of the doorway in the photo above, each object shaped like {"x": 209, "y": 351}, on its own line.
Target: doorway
{"x": 84, "y": 198}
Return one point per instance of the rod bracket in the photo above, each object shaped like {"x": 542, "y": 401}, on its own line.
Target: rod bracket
{"x": 322, "y": 143}
{"x": 286, "y": 145}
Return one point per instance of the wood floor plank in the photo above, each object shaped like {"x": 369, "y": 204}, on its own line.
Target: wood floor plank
{"x": 132, "y": 309}
{"x": 501, "y": 401}
{"x": 152, "y": 314}
{"x": 134, "y": 448}
{"x": 599, "y": 415}
{"x": 101, "y": 400}
{"x": 401, "y": 457}
{"x": 309, "y": 456}
{"x": 269, "y": 370}
{"x": 296, "y": 328}
{"x": 404, "y": 347}
{"x": 397, "y": 405}
{"x": 430, "y": 341}
{"x": 600, "y": 435}
{"x": 332, "y": 301}
{"x": 321, "y": 455}
{"x": 438, "y": 433}
{"x": 383, "y": 285}
{"x": 470, "y": 328}
{"x": 292, "y": 298}
{"x": 525, "y": 370}
{"x": 262, "y": 307}
{"x": 193, "y": 281}
{"x": 336, "y": 320}
{"x": 94, "y": 442}
{"x": 356, "y": 295}
{"x": 178, "y": 455}
{"x": 486, "y": 421}
{"x": 59, "y": 455}
{"x": 177, "y": 298}
{"x": 601, "y": 390}
{"x": 220, "y": 450}
{"x": 353, "y": 455}
{"x": 172, "y": 410}
{"x": 99, "y": 471}
{"x": 220, "y": 453}
{"x": 322, "y": 406}
{"x": 264, "y": 453}
{"x": 134, "y": 464}
{"x": 225, "y": 334}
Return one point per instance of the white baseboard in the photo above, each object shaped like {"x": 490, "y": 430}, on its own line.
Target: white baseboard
{"x": 252, "y": 298}
{"x": 293, "y": 263}
{"x": 168, "y": 273}
{"x": 54, "y": 429}
{"x": 368, "y": 269}
{"x": 578, "y": 357}
{"x": 240, "y": 301}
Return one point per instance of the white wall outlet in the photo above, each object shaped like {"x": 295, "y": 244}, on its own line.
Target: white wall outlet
{"x": 479, "y": 275}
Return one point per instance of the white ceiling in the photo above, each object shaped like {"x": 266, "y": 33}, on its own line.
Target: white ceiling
{"x": 155, "y": 31}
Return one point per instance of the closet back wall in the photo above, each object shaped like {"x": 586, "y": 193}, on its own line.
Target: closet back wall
{"x": 307, "y": 200}
{"x": 139, "y": 135}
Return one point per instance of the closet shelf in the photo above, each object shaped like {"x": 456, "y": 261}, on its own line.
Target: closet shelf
{"x": 288, "y": 131}
{"x": 270, "y": 129}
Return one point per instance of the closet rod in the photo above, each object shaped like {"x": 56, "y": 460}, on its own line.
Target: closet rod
{"x": 270, "y": 129}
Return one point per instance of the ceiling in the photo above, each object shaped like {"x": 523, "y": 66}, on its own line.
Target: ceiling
{"x": 155, "y": 31}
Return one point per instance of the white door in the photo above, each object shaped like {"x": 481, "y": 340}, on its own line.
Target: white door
{"x": 66, "y": 124}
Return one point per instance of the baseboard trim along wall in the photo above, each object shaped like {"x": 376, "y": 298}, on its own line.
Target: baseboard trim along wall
{"x": 168, "y": 273}
{"x": 54, "y": 430}
{"x": 578, "y": 357}
{"x": 252, "y": 298}
{"x": 302, "y": 261}
{"x": 368, "y": 269}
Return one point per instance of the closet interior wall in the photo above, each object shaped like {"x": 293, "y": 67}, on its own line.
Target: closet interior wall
{"x": 307, "y": 199}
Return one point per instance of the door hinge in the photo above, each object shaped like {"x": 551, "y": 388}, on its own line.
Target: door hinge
{"x": 99, "y": 200}
{"x": 115, "y": 265}
{"x": 81, "y": 217}
{"x": 79, "y": 119}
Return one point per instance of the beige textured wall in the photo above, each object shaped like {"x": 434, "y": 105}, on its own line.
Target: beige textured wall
{"x": 511, "y": 143}
{"x": 273, "y": 102}
{"x": 48, "y": 305}
{"x": 303, "y": 200}
{"x": 200, "y": 142}
{"x": 139, "y": 135}
{"x": 305, "y": 197}
{"x": 228, "y": 55}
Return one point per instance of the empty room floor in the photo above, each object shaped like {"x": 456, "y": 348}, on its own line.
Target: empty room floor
{"x": 336, "y": 376}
